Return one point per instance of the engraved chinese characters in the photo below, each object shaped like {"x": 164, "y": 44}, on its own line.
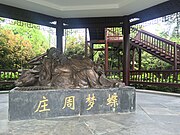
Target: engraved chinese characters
{"x": 111, "y": 100}
{"x": 67, "y": 102}
{"x": 42, "y": 106}
{"x": 91, "y": 101}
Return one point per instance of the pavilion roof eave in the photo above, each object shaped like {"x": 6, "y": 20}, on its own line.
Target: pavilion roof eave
{"x": 157, "y": 11}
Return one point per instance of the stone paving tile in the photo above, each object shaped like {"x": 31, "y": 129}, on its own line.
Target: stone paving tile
{"x": 172, "y": 127}
{"x": 154, "y": 116}
{"x": 31, "y": 127}
{"x": 3, "y": 127}
{"x": 4, "y": 114}
{"x": 100, "y": 126}
{"x": 157, "y": 111}
{"x": 148, "y": 129}
{"x": 71, "y": 128}
{"x": 175, "y": 119}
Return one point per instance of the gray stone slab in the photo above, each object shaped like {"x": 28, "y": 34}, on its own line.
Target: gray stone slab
{"x": 54, "y": 103}
{"x": 136, "y": 123}
{"x": 166, "y": 118}
{"x": 28, "y": 105}
{"x": 3, "y": 127}
{"x": 3, "y": 98}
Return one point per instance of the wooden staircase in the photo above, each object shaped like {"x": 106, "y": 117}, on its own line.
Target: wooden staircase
{"x": 163, "y": 49}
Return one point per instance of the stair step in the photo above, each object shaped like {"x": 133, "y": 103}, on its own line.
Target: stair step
{"x": 132, "y": 40}
{"x": 148, "y": 48}
{"x": 162, "y": 54}
{"x": 152, "y": 50}
{"x": 167, "y": 57}
{"x": 157, "y": 52}
{"x": 136, "y": 42}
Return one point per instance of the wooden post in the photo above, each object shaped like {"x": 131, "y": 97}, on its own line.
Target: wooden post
{"x": 139, "y": 59}
{"x": 86, "y": 44}
{"x": 126, "y": 53}
{"x": 106, "y": 52}
{"x": 92, "y": 51}
{"x": 59, "y": 34}
{"x": 133, "y": 58}
{"x": 175, "y": 56}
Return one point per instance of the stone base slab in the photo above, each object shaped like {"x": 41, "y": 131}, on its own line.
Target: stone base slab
{"x": 41, "y": 104}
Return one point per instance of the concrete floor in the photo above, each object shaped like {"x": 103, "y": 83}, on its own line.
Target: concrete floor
{"x": 155, "y": 115}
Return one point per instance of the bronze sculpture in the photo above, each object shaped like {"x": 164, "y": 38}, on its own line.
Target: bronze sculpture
{"x": 54, "y": 69}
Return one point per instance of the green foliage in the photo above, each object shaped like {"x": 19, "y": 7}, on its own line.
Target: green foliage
{"x": 37, "y": 39}
{"x": 74, "y": 44}
{"x": 151, "y": 62}
{"x": 9, "y": 76}
{"x": 14, "y": 50}
{"x": 18, "y": 44}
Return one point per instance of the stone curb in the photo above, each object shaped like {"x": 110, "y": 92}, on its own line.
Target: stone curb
{"x": 158, "y": 92}
{"x": 137, "y": 90}
{"x": 4, "y": 92}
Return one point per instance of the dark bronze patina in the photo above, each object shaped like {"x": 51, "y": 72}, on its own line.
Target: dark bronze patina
{"x": 54, "y": 69}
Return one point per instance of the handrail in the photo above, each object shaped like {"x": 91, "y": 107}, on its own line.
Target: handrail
{"x": 155, "y": 36}
{"x": 114, "y": 32}
{"x": 155, "y": 77}
{"x": 165, "y": 47}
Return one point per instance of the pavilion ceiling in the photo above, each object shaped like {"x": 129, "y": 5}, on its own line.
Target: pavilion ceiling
{"x": 83, "y": 8}
{"x": 86, "y": 13}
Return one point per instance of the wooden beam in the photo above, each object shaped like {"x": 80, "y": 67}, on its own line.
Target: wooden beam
{"x": 93, "y": 22}
{"x": 160, "y": 10}
{"x": 26, "y": 15}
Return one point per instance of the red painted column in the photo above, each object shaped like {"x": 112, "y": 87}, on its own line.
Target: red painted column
{"x": 126, "y": 50}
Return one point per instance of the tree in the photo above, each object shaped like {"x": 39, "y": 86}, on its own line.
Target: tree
{"x": 74, "y": 43}
{"x": 33, "y": 34}
{"x": 14, "y": 50}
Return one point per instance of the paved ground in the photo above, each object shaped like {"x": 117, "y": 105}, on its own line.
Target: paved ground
{"x": 155, "y": 115}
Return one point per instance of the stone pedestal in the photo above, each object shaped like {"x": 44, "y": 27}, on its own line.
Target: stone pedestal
{"x": 41, "y": 104}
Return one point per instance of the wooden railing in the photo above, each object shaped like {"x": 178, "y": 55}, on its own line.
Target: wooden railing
{"x": 150, "y": 77}
{"x": 159, "y": 77}
{"x": 115, "y": 74}
{"x": 166, "y": 47}
{"x": 9, "y": 76}
{"x": 114, "y": 34}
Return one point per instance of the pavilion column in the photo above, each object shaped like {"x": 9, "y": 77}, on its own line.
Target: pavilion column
{"x": 86, "y": 44}
{"x": 126, "y": 53}
{"x": 139, "y": 59}
{"x": 59, "y": 34}
{"x": 133, "y": 58}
